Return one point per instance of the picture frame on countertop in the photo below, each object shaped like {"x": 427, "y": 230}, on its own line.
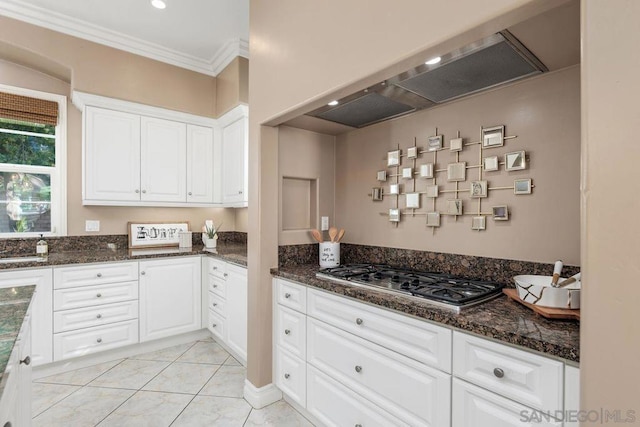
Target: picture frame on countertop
{"x": 455, "y": 144}
{"x": 433, "y": 219}
{"x": 412, "y": 153}
{"x": 412, "y": 200}
{"x": 394, "y": 189}
{"x": 407, "y": 173}
{"x": 434, "y": 143}
{"x": 155, "y": 234}
{"x": 376, "y": 194}
{"x": 382, "y": 176}
{"x": 515, "y": 161}
{"x": 454, "y": 207}
{"x": 457, "y": 171}
{"x": 394, "y": 215}
{"x": 478, "y": 189}
{"x": 393, "y": 158}
{"x": 426, "y": 170}
{"x": 491, "y": 164}
{"x": 522, "y": 186}
{"x": 493, "y": 136}
{"x": 500, "y": 213}
{"x": 432, "y": 191}
{"x": 478, "y": 223}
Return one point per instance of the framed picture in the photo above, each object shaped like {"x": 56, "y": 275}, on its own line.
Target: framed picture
{"x": 455, "y": 144}
{"x": 412, "y": 153}
{"x": 376, "y": 194}
{"x": 394, "y": 189}
{"x": 432, "y": 191}
{"x": 155, "y": 234}
{"x": 500, "y": 213}
{"x": 426, "y": 171}
{"x": 393, "y": 158}
{"x": 413, "y": 200}
{"x": 382, "y": 176}
{"x": 515, "y": 161}
{"x": 491, "y": 164}
{"x": 457, "y": 171}
{"x": 493, "y": 137}
{"x": 522, "y": 186}
{"x": 478, "y": 189}
{"x": 478, "y": 223}
{"x": 407, "y": 173}
{"x": 433, "y": 219}
{"x": 394, "y": 215}
{"x": 454, "y": 207}
{"x": 434, "y": 143}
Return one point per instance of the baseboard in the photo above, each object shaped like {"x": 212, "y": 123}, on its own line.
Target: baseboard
{"x": 261, "y": 397}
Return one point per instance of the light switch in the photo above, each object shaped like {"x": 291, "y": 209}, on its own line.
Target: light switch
{"x": 91, "y": 225}
{"x": 324, "y": 226}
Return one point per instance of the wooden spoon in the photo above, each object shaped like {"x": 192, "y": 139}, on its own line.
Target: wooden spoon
{"x": 340, "y": 235}
{"x": 333, "y": 232}
{"x": 317, "y": 235}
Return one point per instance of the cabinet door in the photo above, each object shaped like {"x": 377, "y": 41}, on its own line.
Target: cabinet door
{"x": 163, "y": 166}
{"x": 237, "y": 310}
{"x": 169, "y": 297}
{"x": 234, "y": 162}
{"x": 111, "y": 155}
{"x": 24, "y": 374}
{"x": 199, "y": 164}
{"x": 41, "y": 309}
{"x": 571, "y": 395}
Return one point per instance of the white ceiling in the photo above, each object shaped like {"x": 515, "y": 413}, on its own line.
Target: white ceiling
{"x": 200, "y": 35}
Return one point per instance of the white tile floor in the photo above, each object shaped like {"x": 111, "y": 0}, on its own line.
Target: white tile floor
{"x": 196, "y": 384}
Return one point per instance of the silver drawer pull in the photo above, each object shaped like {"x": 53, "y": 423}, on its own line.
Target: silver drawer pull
{"x": 98, "y": 295}
{"x": 190, "y": 193}
{"x": 144, "y": 191}
{"x": 286, "y": 376}
{"x": 215, "y": 304}
{"x": 137, "y": 191}
{"x": 99, "y": 316}
{"x": 358, "y": 425}
{"x": 498, "y": 372}
{"x": 142, "y": 273}
{"x": 99, "y": 274}
{"x": 225, "y": 274}
{"x": 287, "y": 331}
{"x": 99, "y": 340}
{"x": 26, "y": 361}
{"x": 287, "y": 295}
{"x": 358, "y": 369}
{"x": 215, "y": 286}
{"x": 214, "y": 325}
{"x": 359, "y": 321}
{"x": 215, "y": 268}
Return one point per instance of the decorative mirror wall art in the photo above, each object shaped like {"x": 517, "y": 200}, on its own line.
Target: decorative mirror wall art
{"x": 413, "y": 200}
{"x": 455, "y": 144}
{"x": 522, "y": 186}
{"x": 478, "y": 189}
{"x": 433, "y": 219}
{"x": 407, "y": 173}
{"x": 376, "y": 194}
{"x": 493, "y": 137}
{"x": 454, "y": 207}
{"x": 478, "y": 223}
{"x": 394, "y": 189}
{"x": 394, "y": 215}
{"x": 412, "y": 153}
{"x": 515, "y": 161}
{"x": 491, "y": 164}
{"x": 393, "y": 158}
{"x": 426, "y": 171}
{"x": 382, "y": 176}
{"x": 500, "y": 213}
{"x": 434, "y": 143}
{"x": 432, "y": 191}
{"x": 457, "y": 171}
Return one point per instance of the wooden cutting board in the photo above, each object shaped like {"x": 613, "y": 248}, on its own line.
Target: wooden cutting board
{"x": 548, "y": 312}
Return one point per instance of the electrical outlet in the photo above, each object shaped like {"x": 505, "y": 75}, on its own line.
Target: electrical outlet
{"x": 92, "y": 225}
{"x": 325, "y": 223}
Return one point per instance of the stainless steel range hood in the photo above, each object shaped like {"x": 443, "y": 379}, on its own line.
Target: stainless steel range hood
{"x": 490, "y": 62}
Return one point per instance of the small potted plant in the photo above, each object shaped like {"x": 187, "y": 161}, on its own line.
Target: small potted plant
{"x": 210, "y": 234}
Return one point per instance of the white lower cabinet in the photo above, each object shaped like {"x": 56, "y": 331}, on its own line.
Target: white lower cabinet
{"x": 15, "y": 396}
{"x": 291, "y": 376}
{"x": 82, "y": 342}
{"x": 571, "y": 396}
{"x": 169, "y": 297}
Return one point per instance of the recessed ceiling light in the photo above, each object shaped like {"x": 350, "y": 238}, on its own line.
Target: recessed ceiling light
{"x": 433, "y": 61}
{"x": 158, "y": 4}
{"x": 332, "y": 103}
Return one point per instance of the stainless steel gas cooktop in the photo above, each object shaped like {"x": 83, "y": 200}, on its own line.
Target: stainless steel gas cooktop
{"x": 440, "y": 289}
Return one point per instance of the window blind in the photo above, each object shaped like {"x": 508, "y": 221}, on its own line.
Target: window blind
{"x": 25, "y": 108}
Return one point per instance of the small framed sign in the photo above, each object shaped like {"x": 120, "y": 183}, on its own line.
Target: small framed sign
{"x": 155, "y": 234}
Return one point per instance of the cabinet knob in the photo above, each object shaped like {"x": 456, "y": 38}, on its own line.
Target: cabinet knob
{"x": 215, "y": 286}
{"x": 99, "y": 340}
{"x": 215, "y": 304}
{"x": 359, "y": 321}
{"x": 287, "y": 295}
{"x": 190, "y": 193}
{"x": 142, "y": 273}
{"x": 358, "y": 425}
{"x": 215, "y": 268}
{"x": 358, "y": 368}
{"x": 239, "y": 191}
{"x": 286, "y": 376}
{"x": 214, "y": 325}
{"x": 26, "y": 361}
{"x": 498, "y": 372}
{"x": 99, "y": 316}
{"x": 144, "y": 191}
{"x": 99, "y": 274}
{"x": 98, "y": 295}
{"x": 287, "y": 331}
{"x": 225, "y": 274}
{"x": 8, "y": 424}
{"x": 137, "y": 191}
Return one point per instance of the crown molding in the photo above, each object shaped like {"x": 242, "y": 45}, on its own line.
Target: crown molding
{"x": 75, "y": 27}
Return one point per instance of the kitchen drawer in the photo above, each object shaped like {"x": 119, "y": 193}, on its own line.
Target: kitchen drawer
{"x": 93, "y": 340}
{"x": 291, "y": 376}
{"x": 335, "y": 405}
{"x": 71, "y": 277}
{"x": 217, "y": 304}
{"x": 291, "y": 331}
{"x": 528, "y": 378}
{"x": 217, "y": 325}
{"x": 64, "y": 299}
{"x": 291, "y": 295}
{"x": 217, "y": 268}
{"x": 86, "y": 317}
{"x": 417, "y": 339}
{"x": 218, "y": 286}
{"x": 415, "y": 393}
{"x": 476, "y": 407}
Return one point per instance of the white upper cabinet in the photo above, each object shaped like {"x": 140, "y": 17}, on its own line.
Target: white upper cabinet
{"x": 163, "y": 154}
{"x": 235, "y": 152}
{"x": 111, "y": 155}
{"x": 199, "y": 164}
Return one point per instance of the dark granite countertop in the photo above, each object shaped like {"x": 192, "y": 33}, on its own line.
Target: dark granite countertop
{"x": 14, "y": 303}
{"x": 232, "y": 252}
{"x": 501, "y": 319}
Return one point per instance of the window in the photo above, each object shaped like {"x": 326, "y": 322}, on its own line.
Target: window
{"x": 32, "y": 156}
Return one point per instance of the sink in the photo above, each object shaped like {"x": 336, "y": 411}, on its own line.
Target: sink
{"x": 18, "y": 259}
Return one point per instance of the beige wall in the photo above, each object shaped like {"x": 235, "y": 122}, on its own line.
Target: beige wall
{"x": 544, "y": 112}
{"x": 232, "y": 85}
{"x": 307, "y": 155}
{"x": 610, "y": 343}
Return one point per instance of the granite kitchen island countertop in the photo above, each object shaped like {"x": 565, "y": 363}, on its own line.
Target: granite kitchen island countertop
{"x": 500, "y": 319}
